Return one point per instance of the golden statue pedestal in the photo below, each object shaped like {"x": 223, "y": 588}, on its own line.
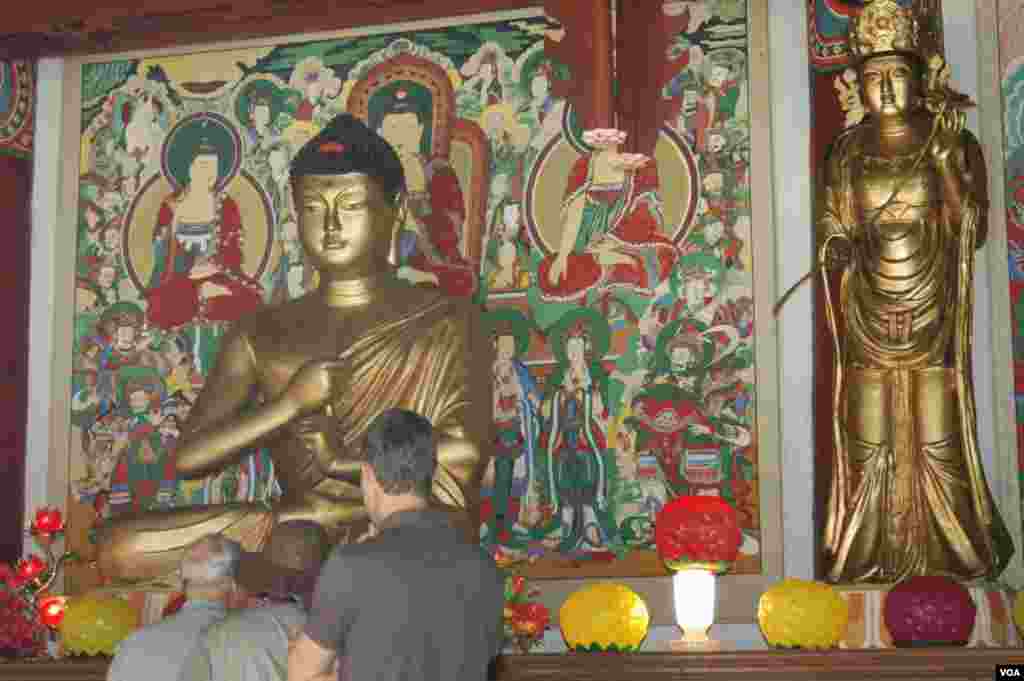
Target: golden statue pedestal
{"x": 993, "y": 625}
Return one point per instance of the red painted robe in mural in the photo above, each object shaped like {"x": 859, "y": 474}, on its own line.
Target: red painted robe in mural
{"x": 441, "y": 210}
{"x": 629, "y": 214}
{"x": 173, "y": 297}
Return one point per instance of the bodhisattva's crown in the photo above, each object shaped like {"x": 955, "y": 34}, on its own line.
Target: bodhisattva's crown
{"x": 883, "y": 26}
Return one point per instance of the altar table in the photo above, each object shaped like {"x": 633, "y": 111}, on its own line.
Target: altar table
{"x": 920, "y": 664}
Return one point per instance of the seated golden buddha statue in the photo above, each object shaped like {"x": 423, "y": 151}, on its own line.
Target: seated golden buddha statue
{"x": 324, "y": 365}
{"x": 901, "y": 212}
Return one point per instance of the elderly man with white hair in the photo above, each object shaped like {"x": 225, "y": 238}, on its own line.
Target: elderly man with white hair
{"x": 157, "y": 652}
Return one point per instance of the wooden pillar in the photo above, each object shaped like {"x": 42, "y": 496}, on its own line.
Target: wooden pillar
{"x": 17, "y": 96}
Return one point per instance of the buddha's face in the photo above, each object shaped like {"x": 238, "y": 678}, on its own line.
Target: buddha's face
{"x": 345, "y": 223}
{"x": 403, "y": 131}
{"x": 887, "y": 84}
{"x": 203, "y": 171}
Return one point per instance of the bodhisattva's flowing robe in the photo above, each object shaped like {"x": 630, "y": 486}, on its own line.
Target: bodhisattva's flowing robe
{"x": 908, "y": 493}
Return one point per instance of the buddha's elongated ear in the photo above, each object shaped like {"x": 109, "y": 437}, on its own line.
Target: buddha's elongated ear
{"x": 401, "y": 212}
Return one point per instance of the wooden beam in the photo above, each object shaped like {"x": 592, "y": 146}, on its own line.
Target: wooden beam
{"x": 169, "y": 23}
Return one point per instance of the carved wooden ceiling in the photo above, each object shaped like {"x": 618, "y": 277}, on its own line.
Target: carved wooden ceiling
{"x": 42, "y": 28}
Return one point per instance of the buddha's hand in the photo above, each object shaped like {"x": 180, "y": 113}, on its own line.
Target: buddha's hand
{"x": 558, "y": 269}
{"x": 310, "y": 387}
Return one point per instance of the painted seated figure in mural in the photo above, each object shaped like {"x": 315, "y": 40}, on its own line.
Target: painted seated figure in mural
{"x": 430, "y": 240}
{"x": 612, "y": 219}
{"x": 197, "y": 253}
{"x": 325, "y": 365}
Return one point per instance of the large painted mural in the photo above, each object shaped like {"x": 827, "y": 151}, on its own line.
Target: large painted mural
{"x": 619, "y": 294}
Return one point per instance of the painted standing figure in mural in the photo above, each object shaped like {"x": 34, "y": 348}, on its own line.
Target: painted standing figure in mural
{"x": 197, "y": 259}
{"x": 145, "y": 469}
{"x": 517, "y": 402}
{"x": 612, "y": 219}
{"x": 577, "y": 413}
{"x": 902, "y": 210}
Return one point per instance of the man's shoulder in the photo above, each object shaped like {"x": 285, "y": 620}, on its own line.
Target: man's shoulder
{"x": 246, "y": 620}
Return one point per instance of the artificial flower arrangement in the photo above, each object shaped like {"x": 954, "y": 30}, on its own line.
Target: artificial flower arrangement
{"x": 525, "y": 619}
{"x": 29, "y": 613}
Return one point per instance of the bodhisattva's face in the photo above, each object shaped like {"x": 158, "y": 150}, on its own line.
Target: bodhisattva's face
{"x": 345, "y": 223}
{"x": 888, "y": 84}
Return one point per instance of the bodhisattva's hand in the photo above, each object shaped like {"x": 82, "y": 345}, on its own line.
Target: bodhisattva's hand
{"x": 839, "y": 254}
{"x": 944, "y": 143}
{"x": 310, "y": 387}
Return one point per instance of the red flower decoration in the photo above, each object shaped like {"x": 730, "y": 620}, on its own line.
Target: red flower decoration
{"x": 51, "y": 610}
{"x": 48, "y": 522}
{"x": 11, "y": 578}
{"x": 32, "y": 567}
{"x": 530, "y": 619}
{"x": 698, "y": 529}
{"x": 518, "y": 584}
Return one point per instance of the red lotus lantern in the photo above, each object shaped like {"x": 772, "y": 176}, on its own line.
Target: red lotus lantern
{"x": 929, "y": 609}
{"x": 32, "y": 567}
{"x": 698, "y": 532}
{"x": 51, "y": 610}
{"x": 48, "y": 522}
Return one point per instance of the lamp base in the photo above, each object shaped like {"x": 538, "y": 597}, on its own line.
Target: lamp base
{"x": 683, "y": 645}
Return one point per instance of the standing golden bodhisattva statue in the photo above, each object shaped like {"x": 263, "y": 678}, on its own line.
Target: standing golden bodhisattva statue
{"x": 902, "y": 210}
{"x": 324, "y": 366}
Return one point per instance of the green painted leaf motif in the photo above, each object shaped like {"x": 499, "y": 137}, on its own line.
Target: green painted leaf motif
{"x": 98, "y": 80}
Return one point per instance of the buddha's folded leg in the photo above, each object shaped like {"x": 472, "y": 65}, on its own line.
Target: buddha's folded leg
{"x": 149, "y": 545}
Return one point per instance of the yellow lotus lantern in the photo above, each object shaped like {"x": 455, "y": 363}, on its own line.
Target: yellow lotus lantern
{"x": 94, "y": 625}
{"x": 604, "y": 617}
{"x": 796, "y": 613}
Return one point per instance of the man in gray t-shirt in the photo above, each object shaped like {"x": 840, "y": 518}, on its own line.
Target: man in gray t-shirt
{"x": 418, "y": 600}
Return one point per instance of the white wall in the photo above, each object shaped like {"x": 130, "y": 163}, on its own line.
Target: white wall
{"x": 791, "y": 117}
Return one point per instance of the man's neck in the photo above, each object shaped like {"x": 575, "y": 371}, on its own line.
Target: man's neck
{"x": 394, "y": 504}
{"x": 356, "y": 291}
